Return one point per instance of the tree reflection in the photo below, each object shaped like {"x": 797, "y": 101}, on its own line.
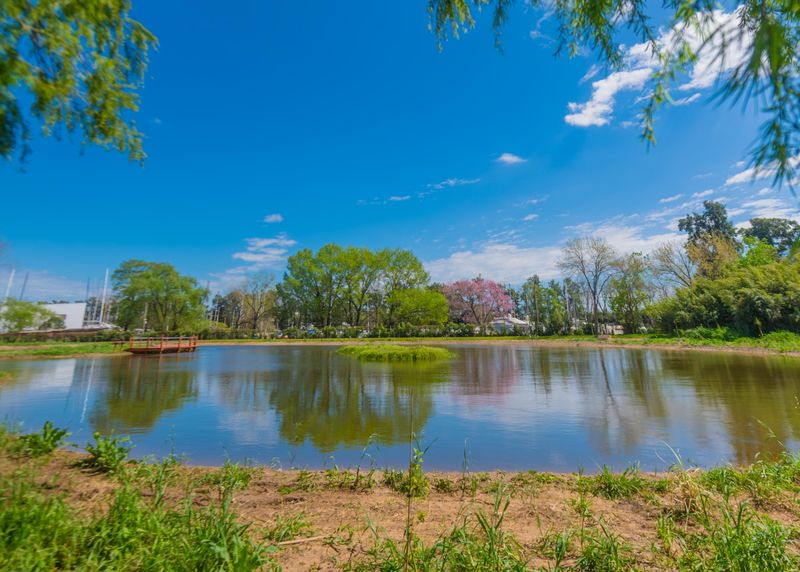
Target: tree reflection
{"x": 138, "y": 391}
{"x": 332, "y": 400}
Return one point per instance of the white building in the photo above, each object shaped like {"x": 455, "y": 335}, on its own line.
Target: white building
{"x": 508, "y": 324}
{"x": 71, "y": 313}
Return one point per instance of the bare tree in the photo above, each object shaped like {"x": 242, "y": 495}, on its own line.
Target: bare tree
{"x": 591, "y": 260}
{"x": 258, "y": 301}
{"x": 671, "y": 262}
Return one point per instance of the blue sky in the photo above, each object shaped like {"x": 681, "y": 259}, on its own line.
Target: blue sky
{"x": 345, "y": 120}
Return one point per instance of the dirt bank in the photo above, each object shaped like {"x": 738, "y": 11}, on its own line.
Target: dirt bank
{"x": 344, "y": 513}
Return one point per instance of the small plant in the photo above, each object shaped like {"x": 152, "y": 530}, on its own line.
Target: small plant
{"x": 108, "y": 454}
{"x": 158, "y": 475}
{"x": 443, "y": 485}
{"x": 604, "y": 552}
{"x": 289, "y": 528}
{"x": 305, "y": 481}
{"x": 43, "y": 442}
{"x": 615, "y": 486}
{"x": 413, "y": 483}
{"x": 230, "y": 477}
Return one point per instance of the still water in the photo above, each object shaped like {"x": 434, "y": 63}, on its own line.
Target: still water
{"x": 506, "y": 407}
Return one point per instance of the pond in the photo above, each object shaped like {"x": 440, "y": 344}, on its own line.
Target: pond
{"x": 498, "y": 406}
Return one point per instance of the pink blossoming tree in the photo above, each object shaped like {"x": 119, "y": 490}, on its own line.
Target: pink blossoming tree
{"x": 477, "y": 301}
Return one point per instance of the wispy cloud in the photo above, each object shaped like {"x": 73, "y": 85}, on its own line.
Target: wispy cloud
{"x": 273, "y": 218}
{"x": 701, "y": 194}
{"x": 671, "y": 199}
{"x": 530, "y": 217}
{"x": 399, "y": 198}
{"x": 449, "y": 183}
{"x": 42, "y": 286}
{"x": 598, "y": 110}
{"x": 510, "y": 159}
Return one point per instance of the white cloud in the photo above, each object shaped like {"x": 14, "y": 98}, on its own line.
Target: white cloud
{"x": 510, "y": 159}
{"x": 501, "y": 262}
{"x": 454, "y": 182}
{"x": 671, "y": 199}
{"x": 764, "y": 191}
{"x": 265, "y": 252}
{"x": 701, "y": 194}
{"x": 597, "y": 111}
{"x": 687, "y": 100}
{"x": 398, "y": 198}
{"x": 530, "y": 217}
{"x": 719, "y": 31}
{"x": 772, "y": 208}
{"x": 590, "y": 73}
{"x": 271, "y": 218}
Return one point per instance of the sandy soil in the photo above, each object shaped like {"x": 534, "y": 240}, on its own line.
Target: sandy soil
{"x": 340, "y": 517}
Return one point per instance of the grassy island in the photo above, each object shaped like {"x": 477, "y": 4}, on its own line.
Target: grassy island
{"x": 396, "y": 352}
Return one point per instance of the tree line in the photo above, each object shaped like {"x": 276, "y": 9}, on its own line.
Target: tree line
{"x": 746, "y": 280}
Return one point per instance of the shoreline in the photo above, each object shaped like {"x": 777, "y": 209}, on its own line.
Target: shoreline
{"x": 347, "y": 518}
{"x": 11, "y": 352}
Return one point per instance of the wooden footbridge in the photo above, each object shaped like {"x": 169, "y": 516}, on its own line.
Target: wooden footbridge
{"x": 162, "y": 345}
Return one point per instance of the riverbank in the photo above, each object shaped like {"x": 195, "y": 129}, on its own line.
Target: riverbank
{"x": 788, "y": 345}
{"x": 64, "y": 504}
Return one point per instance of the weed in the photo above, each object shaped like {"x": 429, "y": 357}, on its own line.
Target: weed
{"x": 108, "y": 454}
{"x": 43, "y": 442}
{"x": 615, "y": 486}
{"x": 289, "y": 528}
{"x": 604, "y": 552}
{"x": 306, "y": 481}
{"x": 412, "y": 484}
{"x": 443, "y": 485}
{"x": 230, "y": 477}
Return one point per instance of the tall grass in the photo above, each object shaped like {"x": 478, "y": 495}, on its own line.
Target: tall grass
{"x": 394, "y": 352}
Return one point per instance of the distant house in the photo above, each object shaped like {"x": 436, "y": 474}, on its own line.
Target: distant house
{"x": 509, "y": 324}
{"x": 611, "y": 330}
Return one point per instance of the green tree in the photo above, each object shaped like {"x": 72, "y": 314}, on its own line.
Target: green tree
{"x": 157, "y": 294}
{"x": 18, "y": 315}
{"x": 628, "y": 291}
{"x": 758, "y": 252}
{"x": 258, "y": 303}
{"x": 711, "y": 246}
{"x": 766, "y": 74}
{"x": 419, "y": 307}
{"x": 78, "y": 64}
{"x": 780, "y": 233}
{"x": 532, "y": 302}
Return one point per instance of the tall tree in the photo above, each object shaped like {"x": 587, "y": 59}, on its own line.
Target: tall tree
{"x": 18, "y": 315}
{"x": 780, "y": 233}
{"x": 419, "y": 307}
{"x": 477, "y": 301}
{"x": 169, "y": 300}
{"x": 712, "y": 239}
{"x": 591, "y": 260}
{"x": 628, "y": 291}
{"x": 78, "y": 65}
{"x": 671, "y": 262}
{"x": 764, "y": 71}
{"x": 258, "y": 302}
{"x": 532, "y": 301}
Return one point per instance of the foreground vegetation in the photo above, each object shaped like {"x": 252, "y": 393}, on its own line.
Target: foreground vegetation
{"x": 53, "y": 349}
{"x": 63, "y": 511}
{"x": 394, "y": 352}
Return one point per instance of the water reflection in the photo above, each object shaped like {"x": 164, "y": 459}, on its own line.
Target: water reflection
{"x": 546, "y": 408}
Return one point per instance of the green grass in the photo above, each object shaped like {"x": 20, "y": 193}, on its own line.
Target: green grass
{"x": 393, "y": 352}
{"x": 42, "y": 442}
{"x": 39, "y": 531}
{"x": 289, "y": 528}
{"x": 53, "y": 349}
